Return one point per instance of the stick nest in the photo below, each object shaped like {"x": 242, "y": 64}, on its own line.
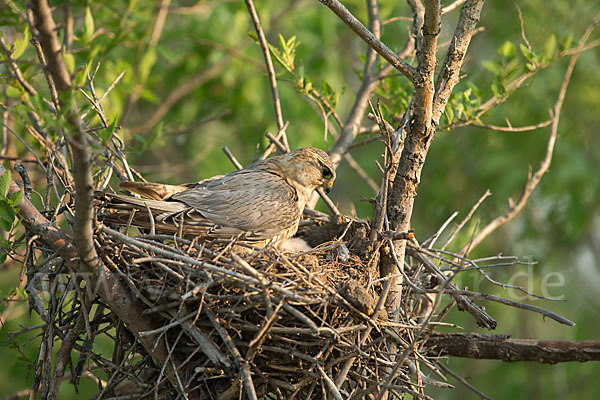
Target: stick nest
{"x": 291, "y": 323}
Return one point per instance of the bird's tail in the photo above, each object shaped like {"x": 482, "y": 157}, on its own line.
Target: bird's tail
{"x": 164, "y": 216}
{"x": 154, "y": 191}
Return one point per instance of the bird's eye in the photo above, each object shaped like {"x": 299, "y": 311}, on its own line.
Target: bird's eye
{"x": 327, "y": 173}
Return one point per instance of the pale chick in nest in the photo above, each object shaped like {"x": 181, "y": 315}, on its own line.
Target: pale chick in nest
{"x": 260, "y": 205}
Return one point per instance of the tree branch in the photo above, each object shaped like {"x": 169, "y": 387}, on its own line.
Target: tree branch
{"x": 449, "y": 74}
{"x": 113, "y": 292}
{"x": 346, "y": 16}
{"x": 82, "y": 247}
{"x": 501, "y": 347}
{"x": 426, "y": 47}
{"x": 270, "y": 69}
{"x": 50, "y": 44}
{"x": 84, "y": 185}
{"x": 419, "y": 131}
{"x": 367, "y": 87}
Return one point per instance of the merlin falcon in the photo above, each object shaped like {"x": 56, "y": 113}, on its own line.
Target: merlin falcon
{"x": 260, "y": 205}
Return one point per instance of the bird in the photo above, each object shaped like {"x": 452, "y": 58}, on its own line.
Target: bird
{"x": 259, "y": 205}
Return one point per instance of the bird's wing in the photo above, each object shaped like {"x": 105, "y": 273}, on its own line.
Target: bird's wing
{"x": 160, "y": 191}
{"x": 255, "y": 203}
{"x": 123, "y": 202}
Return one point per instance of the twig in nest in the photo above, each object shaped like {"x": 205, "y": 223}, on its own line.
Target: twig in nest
{"x": 240, "y": 362}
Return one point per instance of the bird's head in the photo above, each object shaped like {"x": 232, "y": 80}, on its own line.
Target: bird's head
{"x": 310, "y": 167}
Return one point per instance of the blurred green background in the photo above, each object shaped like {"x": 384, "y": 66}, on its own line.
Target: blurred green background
{"x": 201, "y": 85}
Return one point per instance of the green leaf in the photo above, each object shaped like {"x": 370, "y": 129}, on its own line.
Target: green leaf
{"x": 22, "y": 293}
{"x": 15, "y": 198}
{"x": 567, "y": 42}
{"x": 526, "y": 52}
{"x": 449, "y": 113}
{"x": 107, "y": 133}
{"x": 492, "y": 67}
{"x": 253, "y": 35}
{"x": 7, "y": 213}
{"x": 13, "y": 92}
{"x": 5, "y": 225}
{"x": 307, "y": 84}
{"x": 3, "y": 256}
{"x": 88, "y": 25}
{"x": 330, "y": 95}
{"x": 82, "y": 74}
{"x": 69, "y": 62}
{"x": 4, "y": 184}
{"x": 146, "y": 64}
{"x": 21, "y": 44}
{"x": 550, "y": 47}
{"x": 507, "y": 50}
{"x": 496, "y": 89}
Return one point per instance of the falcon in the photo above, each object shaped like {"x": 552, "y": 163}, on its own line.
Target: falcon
{"x": 260, "y": 205}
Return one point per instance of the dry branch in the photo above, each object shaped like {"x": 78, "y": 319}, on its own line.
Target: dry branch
{"x": 502, "y": 347}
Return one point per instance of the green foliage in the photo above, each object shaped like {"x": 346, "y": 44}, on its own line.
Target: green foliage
{"x": 7, "y": 213}
{"x": 287, "y": 55}
{"x": 327, "y": 98}
{"x": 88, "y": 26}
{"x": 464, "y": 106}
{"x": 20, "y": 44}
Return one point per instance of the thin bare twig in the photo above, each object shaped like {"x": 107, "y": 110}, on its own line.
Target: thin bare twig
{"x": 452, "y": 6}
{"x": 467, "y": 218}
{"x": 516, "y": 304}
{"x": 373, "y": 41}
{"x": 270, "y": 69}
{"x": 239, "y": 361}
{"x": 526, "y": 128}
{"x": 232, "y": 158}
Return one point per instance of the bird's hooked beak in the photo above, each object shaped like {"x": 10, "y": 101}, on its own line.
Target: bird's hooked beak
{"x": 328, "y": 186}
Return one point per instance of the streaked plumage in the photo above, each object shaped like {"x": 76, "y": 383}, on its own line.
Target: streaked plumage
{"x": 262, "y": 203}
